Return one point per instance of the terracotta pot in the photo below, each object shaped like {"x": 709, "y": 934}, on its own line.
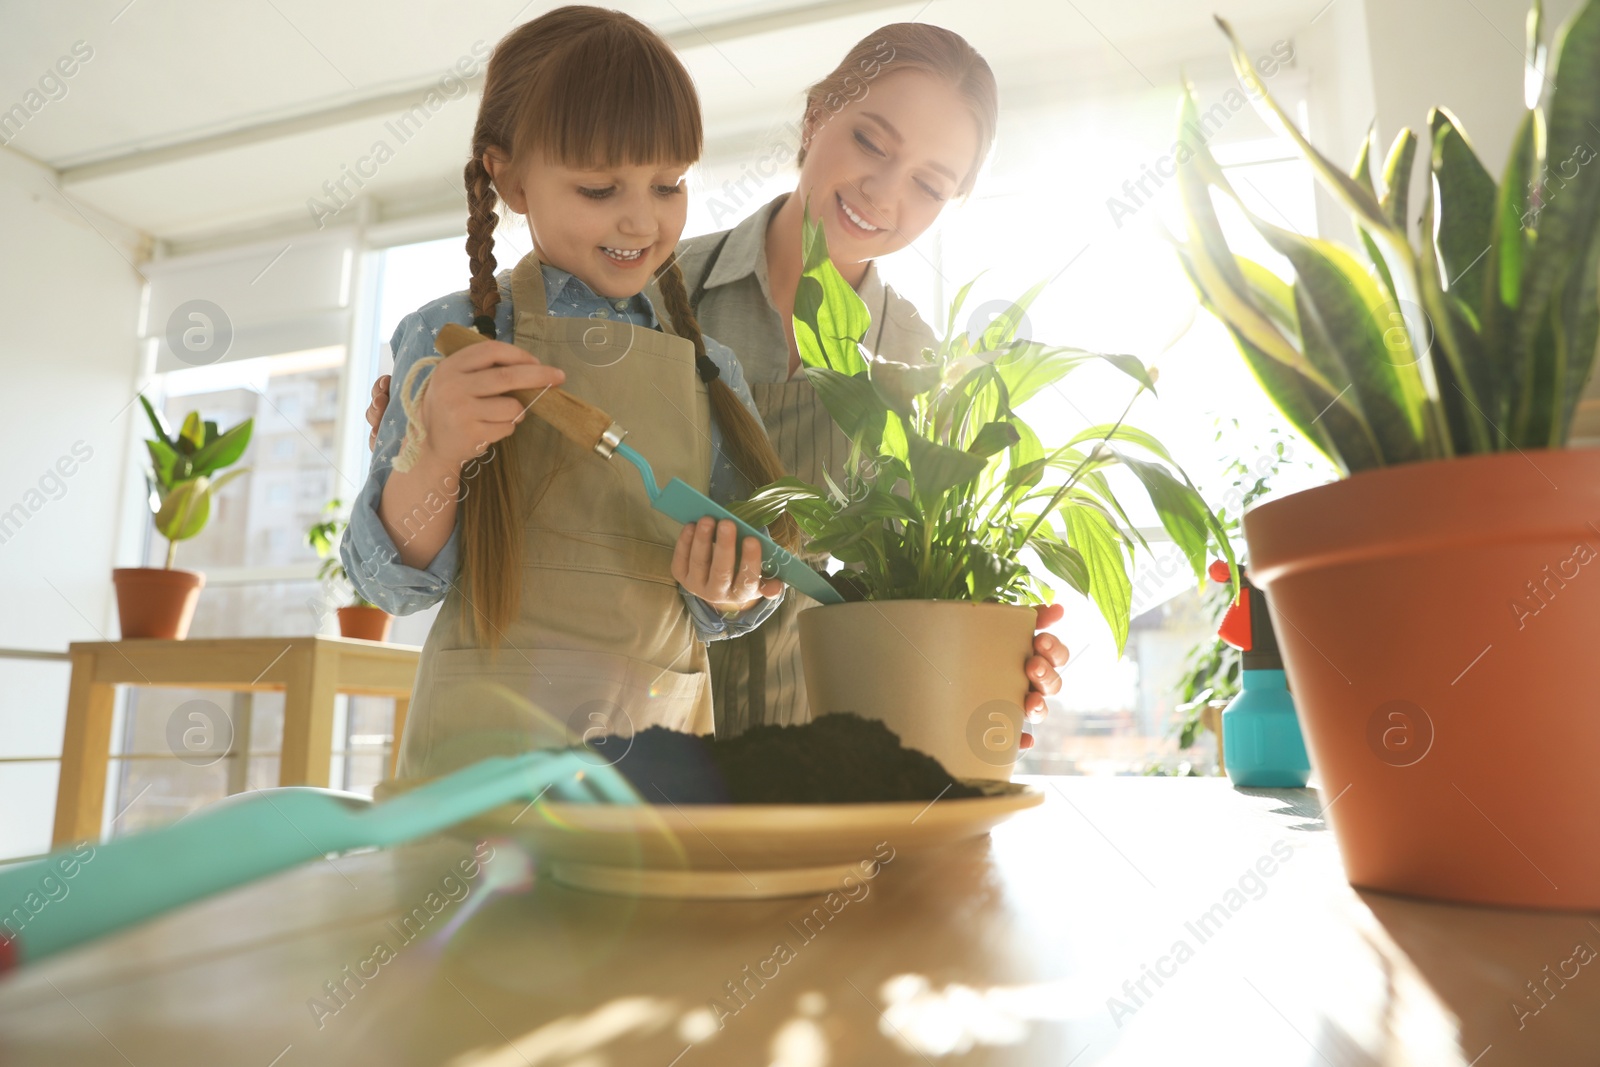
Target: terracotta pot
{"x": 1438, "y": 623}
{"x": 367, "y": 623}
{"x": 945, "y": 675}
{"x": 155, "y": 602}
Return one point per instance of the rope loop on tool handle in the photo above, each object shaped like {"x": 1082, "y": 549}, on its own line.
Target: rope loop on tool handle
{"x": 411, "y": 404}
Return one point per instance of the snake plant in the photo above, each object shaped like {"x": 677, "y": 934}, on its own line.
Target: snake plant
{"x": 1476, "y": 336}
{"x": 946, "y": 485}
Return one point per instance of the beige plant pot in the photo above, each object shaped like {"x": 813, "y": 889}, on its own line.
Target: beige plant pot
{"x": 156, "y": 602}
{"x": 366, "y": 623}
{"x": 945, "y": 675}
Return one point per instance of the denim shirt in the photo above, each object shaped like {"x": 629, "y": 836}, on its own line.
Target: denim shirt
{"x": 371, "y": 560}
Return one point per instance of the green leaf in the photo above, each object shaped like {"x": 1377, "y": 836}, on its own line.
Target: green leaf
{"x": 218, "y": 483}
{"x": 882, "y": 504}
{"x": 1097, "y": 542}
{"x": 1195, "y": 179}
{"x": 1389, "y": 242}
{"x": 224, "y": 450}
{"x": 1397, "y": 178}
{"x": 1473, "y": 410}
{"x": 937, "y": 468}
{"x": 986, "y": 573}
{"x": 955, "y": 306}
{"x": 193, "y": 434}
{"x": 1296, "y": 388}
{"x": 1362, "y": 171}
{"x": 1346, "y": 333}
{"x": 1063, "y": 561}
{"x": 895, "y": 444}
{"x": 994, "y": 437}
{"x": 1535, "y": 57}
{"x": 1108, "y": 431}
{"x": 1562, "y": 250}
{"x": 1002, "y": 329}
{"x": 1272, "y": 294}
{"x": 1466, "y": 207}
{"x": 158, "y": 421}
{"x": 1215, "y": 272}
{"x": 162, "y": 461}
{"x": 1182, "y": 510}
{"x": 185, "y": 509}
{"x": 1344, "y": 187}
{"x": 901, "y": 383}
{"x": 763, "y": 507}
{"x": 830, "y": 318}
{"x": 853, "y": 403}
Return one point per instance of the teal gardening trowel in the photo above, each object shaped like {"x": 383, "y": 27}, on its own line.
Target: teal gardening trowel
{"x": 588, "y": 426}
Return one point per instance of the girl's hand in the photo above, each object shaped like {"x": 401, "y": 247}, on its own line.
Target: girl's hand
{"x": 1042, "y": 667}
{"x": 465, "y": 407}
{"x": 703, "y": 563}
{"x": 375, "y": 410}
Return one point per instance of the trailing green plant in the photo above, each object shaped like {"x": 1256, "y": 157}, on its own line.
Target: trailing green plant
{"x": 1477, "y": 337}
{"x": 1211, "y": 667}
{"x": 324, "y": 537}
{"x": 946, "y": 485}
{"x": 180, "y": 478}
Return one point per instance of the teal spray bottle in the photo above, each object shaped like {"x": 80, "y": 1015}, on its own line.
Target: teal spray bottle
{"x": 1261, "y": 737}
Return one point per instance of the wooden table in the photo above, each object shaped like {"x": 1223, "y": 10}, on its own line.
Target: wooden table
{"x": 1125, "y": 921}
{"x": 308, "y": 670}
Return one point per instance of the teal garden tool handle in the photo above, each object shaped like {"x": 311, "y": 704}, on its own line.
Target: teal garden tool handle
{"x": 681, "y": 501}
{"x": 86, "y": 891}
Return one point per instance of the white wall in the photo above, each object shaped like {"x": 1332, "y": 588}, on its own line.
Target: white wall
{"x": 69, "y": 298}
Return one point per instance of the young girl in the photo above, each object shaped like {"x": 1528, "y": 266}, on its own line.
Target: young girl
{"x": 577, "y": 608}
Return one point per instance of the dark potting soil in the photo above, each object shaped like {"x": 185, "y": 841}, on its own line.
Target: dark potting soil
{"x": 839, "y": 758}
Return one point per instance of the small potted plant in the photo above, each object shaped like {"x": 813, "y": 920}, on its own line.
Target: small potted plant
{"x": 946, "y": 488}
{"x": 1436, "y": 606}
{"x": 361, "y": 618}
{"x": 159, "y": 602}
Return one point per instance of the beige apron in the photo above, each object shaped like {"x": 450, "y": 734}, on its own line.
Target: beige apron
{"x": 603, "y": 643}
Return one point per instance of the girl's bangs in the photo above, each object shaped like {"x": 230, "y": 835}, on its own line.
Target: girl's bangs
{"x": 611, "y": 98}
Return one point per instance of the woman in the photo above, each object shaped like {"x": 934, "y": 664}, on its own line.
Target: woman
{"x": 901, "y": 126}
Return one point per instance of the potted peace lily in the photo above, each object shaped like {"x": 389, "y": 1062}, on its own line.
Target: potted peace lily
{"x": 1436, "y": 607}
{"x": 947, "y": 492}
{"x": 360, "y": 618}
{"x": 181, "y": 480}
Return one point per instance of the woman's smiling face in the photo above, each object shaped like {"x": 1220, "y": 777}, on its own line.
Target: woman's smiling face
{"x": 879, "y": 171}
{"x": 611, "y": 227}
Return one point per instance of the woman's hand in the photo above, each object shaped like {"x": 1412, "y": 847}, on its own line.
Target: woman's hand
{"x": 703, "y": 563}
{"x": 375, "y": 410}
{"x": 1042, "y": 667}
{"x": 465, "y": 407}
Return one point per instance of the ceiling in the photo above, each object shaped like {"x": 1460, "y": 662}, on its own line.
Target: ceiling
{"x": 197, "y": 122}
